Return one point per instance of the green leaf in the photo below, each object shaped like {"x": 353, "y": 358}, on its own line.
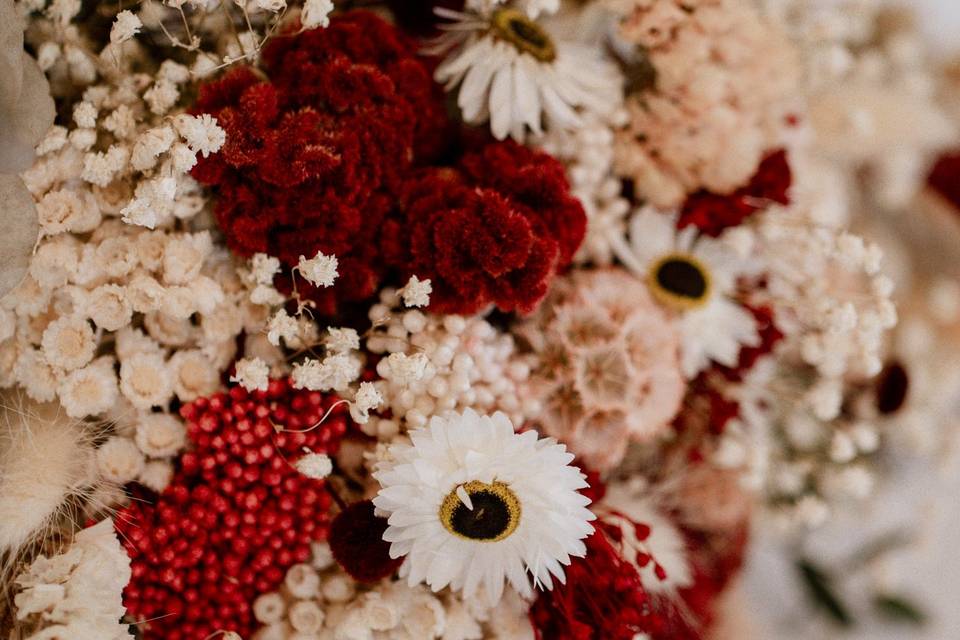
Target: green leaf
{"x": 899, "y": 609}
{"x": 821, "y": 591}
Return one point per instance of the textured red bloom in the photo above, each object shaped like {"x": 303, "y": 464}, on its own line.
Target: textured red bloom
{"x": 235, "y": 517}
{"x": 356, "y": 540}
{"x": 711, "y": 213}
{"x": 603, "y": 597}
{"x": 945, "y": 177}
{"x": 494, "y": 229}
{"x": 316, "y": 151}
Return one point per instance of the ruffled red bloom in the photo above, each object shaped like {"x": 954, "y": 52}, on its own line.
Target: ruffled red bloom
{"x": 493, "y": 230}
{"x": 711, "y": 213}
{"x": 603, "y": 597}
{"x": 316, "y": 151}
{"x": 945, "y": 177}
{"x": 356, "y": 541}
{"x": 235, "y": 517}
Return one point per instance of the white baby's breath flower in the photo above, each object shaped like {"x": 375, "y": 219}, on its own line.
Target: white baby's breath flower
{"x": 320, "y": 270}
{"x": 367, "y": 399}
{"x": 202, "y": 133}
{"x": 316, "y": 13}
{"x": 314, "y": 465}
{"x": 417, "y": 292}
{"x": 341, "y": 340}
{"x": 253, "y": 374}
{"x": 263, "y": 267}
{"x": 282, "y": 325}
{"x": 124, "y": 27}
{"x": 405, "y": 369}
{"x": 266, "y": 295}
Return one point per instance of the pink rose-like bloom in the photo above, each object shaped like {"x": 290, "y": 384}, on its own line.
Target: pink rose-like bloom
{"x": 609, "y": 369}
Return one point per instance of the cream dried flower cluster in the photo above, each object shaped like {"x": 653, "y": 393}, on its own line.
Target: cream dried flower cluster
{"x": 320, "y": 599}
{"x": 694, "y": 126}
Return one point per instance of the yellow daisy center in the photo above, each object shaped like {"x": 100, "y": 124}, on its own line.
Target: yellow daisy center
{"x": 523, "y": 33}
{"x": 494, "y": 515}
{"x": 680, "y": 281}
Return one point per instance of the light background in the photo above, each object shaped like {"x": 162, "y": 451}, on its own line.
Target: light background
{"x": 917, "y": 493}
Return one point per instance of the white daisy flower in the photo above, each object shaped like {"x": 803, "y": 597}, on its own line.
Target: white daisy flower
{"x": 511, "y": 72}
{"x": 696, "y": 277}
{"x": 472, "y": 503}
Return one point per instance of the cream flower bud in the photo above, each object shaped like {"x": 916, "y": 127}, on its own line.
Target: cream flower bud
{"x": 145, "y": 381}
{"x": 156, "y": 475}
{"x": 306, "y": 616}
{"x": 89, "y": 391}
{"x": 119, "y": 460}
{"x": 160, "y": 435}
{"x": 269, "y": 608}
{"x": 108, "y": 307}
{"x": 68, "y": 343}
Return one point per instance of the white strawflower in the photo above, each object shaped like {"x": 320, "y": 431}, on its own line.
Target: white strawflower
{"x": 253, "y": 374}
{"x": 320, "y": 270}
{"x": 316, "y": 13}
{"x": 125, "y": 27}
{"x": 471, "y": 503}
{"x": 417, "y": 292}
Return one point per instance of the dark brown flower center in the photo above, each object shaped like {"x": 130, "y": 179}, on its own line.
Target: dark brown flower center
{"x": 493, "y": 513}
{"x": 893, "y": 384}
{"x": 523, "y": 33}
{"x": 680, "y": 280}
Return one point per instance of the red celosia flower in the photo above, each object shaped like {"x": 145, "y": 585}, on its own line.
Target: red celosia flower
{"x": 711, "y": 213}
{"x": 945, "y": 178}
{"x": 493, "y": 230}
{"x": 316, "y": 150}
{"x": 356, "y": 540}
{"x": 235, "y": 517}
{"x": 603, "y": 597}
{"x": 770, "y": 336}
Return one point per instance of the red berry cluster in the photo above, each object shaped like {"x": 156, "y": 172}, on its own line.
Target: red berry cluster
{"x": 235, "y": 517}
{"x": 711, "y": 213}
{"x": 315, "y": 155}
{"x": 494, "y": 229}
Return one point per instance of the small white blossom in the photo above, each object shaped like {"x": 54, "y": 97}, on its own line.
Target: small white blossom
{"x": 417, "y": 292}
{"x": 341, "y": 340}
{"x": 314, "y": 465}
{"x": 252, "y": 374}
{"x": 367, "y": 399}
{"x": 202, "y": 133}
{"x": 316, "y": 13}
{"x": 125, "y": 27}
{"x": 266, "y": 295}
{"x": 320, "y": 270}
{"x": 405, "y": 369}
{"x": 263, "y": 267}
{"x": 85, "y": 114}
{"x": 282, "y": 325}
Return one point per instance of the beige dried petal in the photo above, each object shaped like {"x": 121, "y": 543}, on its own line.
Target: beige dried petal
{"x": 18, "y": 219}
